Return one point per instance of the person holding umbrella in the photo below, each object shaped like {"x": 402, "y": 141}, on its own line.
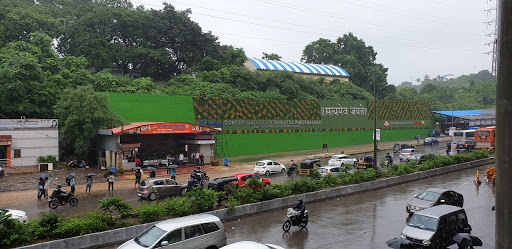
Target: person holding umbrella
{"x": 71, "y": 180}
{"x": 138, "y": 176}
{"x": 46, "y": 186}
{"x": 88, "y": 182}
{"x": 40, "y": 188}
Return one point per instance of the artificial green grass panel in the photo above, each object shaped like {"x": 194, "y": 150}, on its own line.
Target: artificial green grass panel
{"x": 152, "y": 108}
{"x": 263, "y": 143}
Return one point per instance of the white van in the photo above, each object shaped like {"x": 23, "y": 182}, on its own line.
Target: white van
{"x": 199, "y": 231}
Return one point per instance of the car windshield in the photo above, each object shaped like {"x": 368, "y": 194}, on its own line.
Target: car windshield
{"x": 260, "y": 164}
{"x": 149, "y": 237}
{"x": 423, "y": 222}
{"x": 428, "y": 139}
{"x": 335, "y": 157}
{"x": 428, "y": 196}
{"x": 144, "y": 183}
{"x": 322, "y": 170}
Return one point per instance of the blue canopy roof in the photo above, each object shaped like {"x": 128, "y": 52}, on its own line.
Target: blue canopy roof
{"x": 298, "y": 67}
{"x": 461, "y": 113}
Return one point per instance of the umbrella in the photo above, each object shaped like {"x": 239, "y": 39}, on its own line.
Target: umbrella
{"x": 172, "y": 166}
{"x": 108, "y": 173}
{"x": 475, "y": 241}
{"x": 43, "y": 175}
{"x": 151, "y": 168}
{"x": 397, "y": 243}
{"x": 136, "y": 168}
{"x": 90, "y": 174}
{"x": 71, "y": 175}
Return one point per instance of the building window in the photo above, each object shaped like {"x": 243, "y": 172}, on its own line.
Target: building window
{"x": 17, "y": 153}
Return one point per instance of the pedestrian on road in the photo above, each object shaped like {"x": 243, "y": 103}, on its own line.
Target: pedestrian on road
{"x": 110, "y": 179}
{"x": 138, "y": 175}
{"x": 72, "y": 184}
{"x": 201, "y": 159}
{"x": 173, "y": 174}
{"x": 88, "y": 184}
{"x": 152, "y": 174}
{"x": 40, "y": 190}
{"x": 46, "y": 186}
{"x": 168, "y": 164}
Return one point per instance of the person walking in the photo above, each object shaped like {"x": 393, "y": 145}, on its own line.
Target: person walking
{"x": 138, "y": 175}
{"x": 40, "y": 188}
{"x": 72, "y": 184}
{"x": 110, "y": 179}
{"x": 46, "y": 187}
{"x": 137, "y": 162}
{"x": 88, "y": 184}
{"x": 201, "y": 159}
{"x": 173, "y": 174}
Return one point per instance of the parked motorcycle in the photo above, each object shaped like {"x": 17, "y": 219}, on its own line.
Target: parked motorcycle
{"x": 192, "y": 183}
{"x": 53, "y": 203}
{"x": 294, "y": 221}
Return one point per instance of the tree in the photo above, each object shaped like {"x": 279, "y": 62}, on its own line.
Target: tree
{"x": 272, "y": 56}
{"x": 351, "y": 54}
{"x": 81, "y": 113}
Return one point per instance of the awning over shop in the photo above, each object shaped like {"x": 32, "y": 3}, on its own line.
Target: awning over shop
{"x": 161, "y": 128}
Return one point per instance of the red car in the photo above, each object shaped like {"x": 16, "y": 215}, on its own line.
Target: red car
{"x": 243, "y": 177}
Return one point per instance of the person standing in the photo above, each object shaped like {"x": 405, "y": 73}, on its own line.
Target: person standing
{"x": 138, "y": 175}
{"x": 197, "y": 158}
{"x": 46, "y": 187}
{"x": 192, "y": 158}
{"x": 110, "y": 180}
{"x": 181, "y": 158}
{"x": 173, "y": 174}
{"x": 88, "y": 184}
{"x": 137, "y": 162}
{"x": 72, "y": 184}
{"x": 168, "y": 164}
{"x": 201, "y": 159}
{"x": 40, "y": 188}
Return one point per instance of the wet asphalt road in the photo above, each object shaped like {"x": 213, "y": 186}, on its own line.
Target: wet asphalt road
{"x": 33, "y": 207}
{"x": 369, "y": 219}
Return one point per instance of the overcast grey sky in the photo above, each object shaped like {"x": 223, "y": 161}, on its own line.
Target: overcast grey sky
{"x": 412, "y": 38}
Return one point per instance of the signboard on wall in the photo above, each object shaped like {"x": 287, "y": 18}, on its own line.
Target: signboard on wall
{"x": 28, "y": 123}
{"x": 162, "y": 128}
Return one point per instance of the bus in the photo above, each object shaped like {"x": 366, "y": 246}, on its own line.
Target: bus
{"x": 485, "y": 138}
{"x": 459, "y": 135}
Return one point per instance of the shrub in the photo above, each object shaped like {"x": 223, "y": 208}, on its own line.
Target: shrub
{"x": 330, "y": 181}
{"x": 149, "y": 212}
{"x": 201, "y": 200}
{"x": 245, "y": 195}
{"x": 112, "y": 205}
{"x": 176, "y": 206}
{"x": 44, "y": 227}
{"x": 12, "y": 232}
{"x": 303, "y": 185}
{"x": 94, "y": 222}
{"x": 270, "y": 193}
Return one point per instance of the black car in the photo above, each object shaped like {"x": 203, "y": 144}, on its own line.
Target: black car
{"x": 465, "y": 145}
{"x": 398, "y": 147}
{"x": 432, "y": 197}
{"x": 218, "y": 184}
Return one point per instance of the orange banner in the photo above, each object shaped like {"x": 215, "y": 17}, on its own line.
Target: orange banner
{"x": 168, "y": 128}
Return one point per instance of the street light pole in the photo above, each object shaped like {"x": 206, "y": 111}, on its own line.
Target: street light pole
{"x": 374, "y": 120}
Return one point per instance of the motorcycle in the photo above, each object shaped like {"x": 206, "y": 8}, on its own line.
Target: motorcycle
{"x": 192, "y": 183}
{"x": 388, "y": 162}
{"x": 448, "y": 149}
{"x": 290, "y": 170}
{"x": 200, "y": 176}
{"x": 294, "y": 221}
{"x": 53, "y": 203}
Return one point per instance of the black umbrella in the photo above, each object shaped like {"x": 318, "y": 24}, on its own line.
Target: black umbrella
{"x": 172, "y": 166}
{"x": 136, "y": 168}
{"x": 108, "y": 173}
{"x": 90, "y": 174}
{"x": 397, "y": 243}
{"x": 43, "y": 175}
{"x": 71, "y": 175}
{"x": 151, "y": 168}
{"x": 460, "y": 237}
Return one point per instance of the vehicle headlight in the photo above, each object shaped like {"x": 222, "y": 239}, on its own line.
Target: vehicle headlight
{"x": 403, "y": 236}
{"x": 426, "y": 242}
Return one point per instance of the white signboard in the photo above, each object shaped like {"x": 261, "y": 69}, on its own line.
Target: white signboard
{"x": 377, "y": 134}
{"x": 28, "y": 123}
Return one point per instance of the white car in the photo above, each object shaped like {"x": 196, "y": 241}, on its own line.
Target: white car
{"x": 267, "y": 167}
{"x": 250, "y": 245}
{"x": 406, "y": 153}
{"x": 19, "y": 215}
{"x": 342, "y": 160}
{"x": 330, "y": 170}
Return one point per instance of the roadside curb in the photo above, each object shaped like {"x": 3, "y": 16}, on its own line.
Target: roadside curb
{"x": 120, "y": 235}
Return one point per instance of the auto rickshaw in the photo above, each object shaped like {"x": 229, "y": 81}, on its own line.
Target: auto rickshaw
{"x": 308, "y": 164}
{"x": 365, "y": 162}
{"x": 490, "y": 175}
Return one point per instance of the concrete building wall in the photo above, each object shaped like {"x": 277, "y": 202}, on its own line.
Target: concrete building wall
{"x": 31, "y": 144}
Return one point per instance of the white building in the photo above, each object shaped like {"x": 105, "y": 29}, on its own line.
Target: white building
{"x": 22, "y": 141}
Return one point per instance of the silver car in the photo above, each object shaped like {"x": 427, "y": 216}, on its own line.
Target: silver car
{"x": 406, "y": 153}
{"x": 19, "y": 215}
{"x": 157, "y": 187}
{"x": 199, "y": 231}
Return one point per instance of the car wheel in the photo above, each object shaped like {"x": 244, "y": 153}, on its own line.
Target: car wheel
{"x": 267, "y": 173}
{"x": 282, "y": 171}
{"x": 286, "y": 226}
{"x": 152, "y": 196}
{"x": 355, "y": 164}
{"x": 267, "y": 185}
{"x": 73, "y": 201}
{"x": 183, "y": 191}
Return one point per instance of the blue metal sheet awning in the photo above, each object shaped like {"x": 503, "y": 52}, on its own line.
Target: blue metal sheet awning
{"x": 298, "y": 67}
{"x": 460, "y": 113}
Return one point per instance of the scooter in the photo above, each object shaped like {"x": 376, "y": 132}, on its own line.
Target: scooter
{"x": 53, "y": 203}
{"x": 294, "y": 221}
